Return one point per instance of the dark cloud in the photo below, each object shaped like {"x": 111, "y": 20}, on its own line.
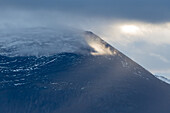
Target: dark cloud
{"x": 145, "y": 10}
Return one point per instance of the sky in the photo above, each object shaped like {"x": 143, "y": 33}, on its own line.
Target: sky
{"x": 138, "y": 28}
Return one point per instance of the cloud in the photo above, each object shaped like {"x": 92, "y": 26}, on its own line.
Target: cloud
{"x": 143, "y": 10}
{"x": 159, "y": 57}
{"x": 126, "y": 32}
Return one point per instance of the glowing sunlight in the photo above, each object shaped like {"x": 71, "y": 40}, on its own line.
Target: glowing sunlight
{"x": 130, "y": 29}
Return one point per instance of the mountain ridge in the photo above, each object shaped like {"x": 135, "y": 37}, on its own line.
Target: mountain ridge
{"x": 98, "y": 82}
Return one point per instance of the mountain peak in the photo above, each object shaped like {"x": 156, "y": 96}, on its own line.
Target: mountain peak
{"x": 45, "y": 42}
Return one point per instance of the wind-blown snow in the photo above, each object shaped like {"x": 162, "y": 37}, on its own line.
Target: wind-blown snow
{"x": 163, "y": 79}
{"x": 45, "y": 41}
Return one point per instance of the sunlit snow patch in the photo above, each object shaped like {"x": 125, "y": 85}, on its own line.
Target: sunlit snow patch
{"x": 163, "y": 79}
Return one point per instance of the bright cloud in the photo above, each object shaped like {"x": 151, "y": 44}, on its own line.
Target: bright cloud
{"x": 130, "y": 29}
{"x": 130, "y": 32}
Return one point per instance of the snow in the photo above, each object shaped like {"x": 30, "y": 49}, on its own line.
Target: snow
{"x": 164, "y": 79}
{"x": 37, "y": 42}
{"x": 48, "y": 41}
{"x": 125, "y": 64}
{"x": 19, "y": 84}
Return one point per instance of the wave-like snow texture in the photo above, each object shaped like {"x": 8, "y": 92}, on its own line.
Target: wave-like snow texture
{"x": 40, "y": 42}
{"x": 46, "y": 42}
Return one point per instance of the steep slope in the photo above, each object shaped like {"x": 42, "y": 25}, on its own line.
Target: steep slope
{"x": 163, "y": 78}
{"x": 94, "y": 78}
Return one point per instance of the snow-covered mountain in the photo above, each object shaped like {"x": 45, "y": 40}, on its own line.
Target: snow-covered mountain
{"x": 68, "y": 71}
{"x": 163, "y": 78}
{"x": 46, "y": 42}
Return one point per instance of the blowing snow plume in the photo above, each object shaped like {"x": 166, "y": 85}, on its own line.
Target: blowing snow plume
{"x": 46, "y": 41}
{"x": 100, "y": 46}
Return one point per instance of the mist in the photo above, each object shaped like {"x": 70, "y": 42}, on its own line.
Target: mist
{"x": 152, "y": 17}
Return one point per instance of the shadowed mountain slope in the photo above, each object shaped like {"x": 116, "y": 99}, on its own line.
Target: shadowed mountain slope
{"x": 98, "y": 80}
